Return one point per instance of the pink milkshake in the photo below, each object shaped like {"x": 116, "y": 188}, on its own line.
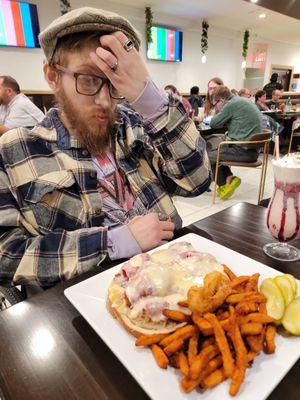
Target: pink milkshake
{"x": 283, "y": 215}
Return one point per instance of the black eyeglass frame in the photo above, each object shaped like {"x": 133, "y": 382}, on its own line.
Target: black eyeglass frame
{"x": 215, "y": 103}
{"x": 105, "y": 81}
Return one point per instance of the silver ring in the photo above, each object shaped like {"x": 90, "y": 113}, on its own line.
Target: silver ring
{"x": 128, "y": 45}
{"x": 114, "y": 66}
{"x": 162, "y": 216}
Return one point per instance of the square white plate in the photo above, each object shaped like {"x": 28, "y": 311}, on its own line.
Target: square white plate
{"x": 89, "y": 297}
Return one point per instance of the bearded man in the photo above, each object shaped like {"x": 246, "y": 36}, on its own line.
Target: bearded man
{"x": 94, "y": 180}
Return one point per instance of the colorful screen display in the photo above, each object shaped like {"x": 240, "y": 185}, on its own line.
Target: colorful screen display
{"x": 166, "y": 44}
{"x": 19, "y": 25}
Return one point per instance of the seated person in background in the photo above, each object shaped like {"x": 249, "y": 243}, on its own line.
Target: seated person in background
{"x": 94, "y": 181}
{"x": 260, "y": 100}
{"x": 253, "y": 93}
{"x": 209, "y": 108}
{"x": 195, "y": 100}
{"x": 171, "y": 89}
{"x": 16, "y": 109}
{"x": 270, "y": 124}
{"x": 274, "y": 103}
{"x": 234, "y": 92}
{"x": 244, "y": 92}
{"x": 272, "y": 85}
{"x": 243, "y": 120}
{"x": 212, "y": 140}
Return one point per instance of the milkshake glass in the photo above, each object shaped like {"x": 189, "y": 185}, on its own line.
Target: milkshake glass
{"x": 283, "y": 215}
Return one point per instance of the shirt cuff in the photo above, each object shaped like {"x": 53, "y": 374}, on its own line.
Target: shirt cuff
{"x": 121, "y": 243}
{"x": 152, "y": 101}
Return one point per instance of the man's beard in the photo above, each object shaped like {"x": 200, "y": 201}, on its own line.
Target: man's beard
{"x": 96, "y": 138}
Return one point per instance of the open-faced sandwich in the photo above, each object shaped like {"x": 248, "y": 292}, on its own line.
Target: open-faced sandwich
{"x": 148, "y": 284}
{"x": 198, "y": 316}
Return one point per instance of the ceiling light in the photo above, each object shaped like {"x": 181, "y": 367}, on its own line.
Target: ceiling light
{"x": 203, "y": 59}
{"x": 263, "y": 15}
{"x": 254, "y": 1}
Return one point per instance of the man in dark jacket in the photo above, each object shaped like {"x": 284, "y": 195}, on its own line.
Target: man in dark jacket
{"x": 195, "y": 100}
{"x": 272, "y": 85}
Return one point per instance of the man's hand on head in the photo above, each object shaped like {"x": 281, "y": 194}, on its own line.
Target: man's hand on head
{"x": 122, "y": 65}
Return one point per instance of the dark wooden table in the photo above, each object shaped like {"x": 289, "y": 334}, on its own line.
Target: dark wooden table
{"x": 283, "y": 115}
{"x": 48, "y": 351}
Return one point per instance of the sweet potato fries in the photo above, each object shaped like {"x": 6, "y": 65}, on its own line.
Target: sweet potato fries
{"x": 227, "y": 327}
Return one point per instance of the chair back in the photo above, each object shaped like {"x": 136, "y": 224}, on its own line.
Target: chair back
{"x": 260, "y": 139}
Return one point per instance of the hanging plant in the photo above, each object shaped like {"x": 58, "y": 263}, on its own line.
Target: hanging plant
{"x": 204, "y": 36}
{"x": 149, "y": 19}
{"x": 65, "y": 6}
{"x": 245, "y": 44}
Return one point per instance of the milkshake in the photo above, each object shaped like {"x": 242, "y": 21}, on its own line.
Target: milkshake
{"x": 283, "y": 215}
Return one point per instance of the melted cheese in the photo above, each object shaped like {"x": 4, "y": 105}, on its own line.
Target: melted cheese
{"x": 168, "y": 281}
{"x": 142, "y": 304}
{"x": 163, "y": 256}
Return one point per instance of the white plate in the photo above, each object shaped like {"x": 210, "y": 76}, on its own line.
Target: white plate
{"x": 89, "y": 297}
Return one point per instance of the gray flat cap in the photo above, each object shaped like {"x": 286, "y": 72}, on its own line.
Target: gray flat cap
{"x": 85, "y": 19}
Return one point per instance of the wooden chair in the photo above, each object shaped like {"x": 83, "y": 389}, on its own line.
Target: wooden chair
{"x": 257, "y": 141}
{"x": 296, "y": 125}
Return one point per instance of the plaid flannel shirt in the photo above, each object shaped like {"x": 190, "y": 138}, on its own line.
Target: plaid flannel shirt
{"x": 50, "y": 210}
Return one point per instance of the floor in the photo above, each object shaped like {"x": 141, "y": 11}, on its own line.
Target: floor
{"x": 194, "y": 209}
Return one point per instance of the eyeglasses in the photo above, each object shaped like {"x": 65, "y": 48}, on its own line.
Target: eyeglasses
{"x": 88, "y": 84}
{"x": 215, "y": 103}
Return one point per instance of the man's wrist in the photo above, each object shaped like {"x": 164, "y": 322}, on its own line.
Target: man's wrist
{"x": 121, "y": 243}
{"x": 152, "y": 101}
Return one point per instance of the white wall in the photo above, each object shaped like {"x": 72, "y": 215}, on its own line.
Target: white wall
{"x": 223, "y": 56}
{"x": 282, "y": 54}
{"x": 25, "y": 65}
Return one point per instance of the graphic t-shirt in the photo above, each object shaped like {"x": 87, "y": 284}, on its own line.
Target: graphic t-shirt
{"x": 119, "y": 203}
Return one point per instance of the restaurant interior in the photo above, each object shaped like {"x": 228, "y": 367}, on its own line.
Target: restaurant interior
{"x": 182, "y": 279}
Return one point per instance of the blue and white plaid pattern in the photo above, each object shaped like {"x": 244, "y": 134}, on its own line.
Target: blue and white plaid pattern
{"x": 50, "y": 210}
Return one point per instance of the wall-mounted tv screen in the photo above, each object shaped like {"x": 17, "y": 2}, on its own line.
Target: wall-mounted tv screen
{"x": 19, "y": 24}
{"x": 166, "y": 44}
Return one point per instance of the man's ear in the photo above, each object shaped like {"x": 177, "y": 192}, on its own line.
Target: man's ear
{"x": 51, "y": 76}
{"x": 9, "y": 91}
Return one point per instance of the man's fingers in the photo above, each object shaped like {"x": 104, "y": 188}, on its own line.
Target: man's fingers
{"x": 167, "y": 235}
{"x": 109, "y": 73}
{"x": 114, "y": 44}
{"x": 167, "y": 226}
{"x": 106, "y": 56}
{"x": 120, "y": 36}
{"x": 123, "y": 39}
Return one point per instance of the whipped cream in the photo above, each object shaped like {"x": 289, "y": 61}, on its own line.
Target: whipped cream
{"x": 287, "y": 169}
{"x": 291, "y": 160}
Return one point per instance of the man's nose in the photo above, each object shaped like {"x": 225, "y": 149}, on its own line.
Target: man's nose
{"x": 103, "y": 97}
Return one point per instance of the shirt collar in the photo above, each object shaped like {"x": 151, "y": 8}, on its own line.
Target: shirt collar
{"x": 64, "y": 139}
{"x": 14, "y": 99}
